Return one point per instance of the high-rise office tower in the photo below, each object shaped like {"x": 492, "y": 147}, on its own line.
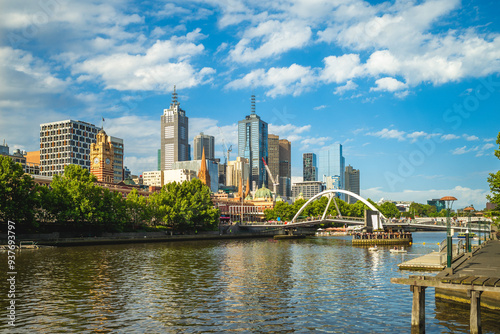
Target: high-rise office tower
{"x": 273, "y": 156}
{"x": 332, "y": 163}
{"x": 206, "y": 142}
{"x": 63, "y": 143}
{"x": 309, "y": 167}
{"x": 352, "y": 183}
{"x": 285, "y": 170}
{"x": 285, "y": 158}
{"x": 174, "y": 134}
{"x": 279, "y": 155}
{"x": 252, "y": 145}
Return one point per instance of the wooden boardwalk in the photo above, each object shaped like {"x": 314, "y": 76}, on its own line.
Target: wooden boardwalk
{"x": 471, "y": 275}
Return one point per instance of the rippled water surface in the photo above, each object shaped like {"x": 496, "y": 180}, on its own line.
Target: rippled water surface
{"x": 314, "y": 285}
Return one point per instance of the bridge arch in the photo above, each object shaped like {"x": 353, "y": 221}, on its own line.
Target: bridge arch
{"x": 347, "y": 192}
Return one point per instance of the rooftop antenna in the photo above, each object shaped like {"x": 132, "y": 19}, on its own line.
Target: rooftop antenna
{"x": 174, "y": 97}
{"x": 102, "y": 123}
{"x": 252, "y": 99}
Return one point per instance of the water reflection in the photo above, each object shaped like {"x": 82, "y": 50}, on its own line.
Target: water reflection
{"x": 258, "y": 286}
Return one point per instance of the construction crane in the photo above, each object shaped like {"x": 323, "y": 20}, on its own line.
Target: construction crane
{"x": 275, "y": 184}
{"x": 224, "y": 146}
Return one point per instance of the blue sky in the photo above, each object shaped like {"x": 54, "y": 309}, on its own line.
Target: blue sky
{"x": 409, "y": 88}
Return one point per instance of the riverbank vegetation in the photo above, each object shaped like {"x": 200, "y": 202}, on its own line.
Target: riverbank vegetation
{"x": 494, "y": 182}
{"x": 73, "y": 202}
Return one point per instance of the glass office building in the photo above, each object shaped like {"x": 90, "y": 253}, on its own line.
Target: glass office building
{"x": 332, "y": 163}
{"x": 252, "y": 145}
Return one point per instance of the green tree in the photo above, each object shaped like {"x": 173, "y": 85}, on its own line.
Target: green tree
{"x": 494, "y": 180}
{"x": 185, "y": 206}
{"x": 283, "y": 210}
{"x": 111, "y": 210}
{"x": 390, "y": 209}
{"x": 357, "y": 209}
{"x": 138, "y": 208}
{"x": 74, "y": 196}
{"x": 19, "y": 196}
{"x": 417, "y": 209}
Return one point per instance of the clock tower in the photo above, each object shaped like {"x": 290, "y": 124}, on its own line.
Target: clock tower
{"x": 101, "y": 158}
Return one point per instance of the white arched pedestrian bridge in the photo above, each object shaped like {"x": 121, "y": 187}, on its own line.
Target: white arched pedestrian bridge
{"x": 331, "y": 193}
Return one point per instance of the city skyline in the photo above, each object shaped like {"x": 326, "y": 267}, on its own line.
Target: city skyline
{"x": 409, "y": 89}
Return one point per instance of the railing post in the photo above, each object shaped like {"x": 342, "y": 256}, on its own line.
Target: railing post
{"x": 418, "y": 310}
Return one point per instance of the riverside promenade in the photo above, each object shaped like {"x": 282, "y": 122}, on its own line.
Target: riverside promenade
{"x": 473, "y": 278}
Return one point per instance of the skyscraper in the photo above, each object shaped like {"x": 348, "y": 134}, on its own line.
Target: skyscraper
{"x": 206, "y": 142}
{"x": 285, "y": 170}
{"x": 285, "y": 158}
{"x": 332, "y": 163}
{"x": 174, "y": 134}
{"x": 252, "y": 144}
{"x": 279, "y": 155}
{"x": 273, "y": 155}
{"x": 352, "y": 183}
{"x": 309, "y": 167}
{"x": 63, "y": 143}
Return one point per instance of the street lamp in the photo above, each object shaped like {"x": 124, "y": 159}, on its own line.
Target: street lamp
{"x": 468, "y": 245}
{"x": 449, "y": 241}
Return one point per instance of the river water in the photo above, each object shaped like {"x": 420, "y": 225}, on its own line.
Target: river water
{"x": 313, "y": 285}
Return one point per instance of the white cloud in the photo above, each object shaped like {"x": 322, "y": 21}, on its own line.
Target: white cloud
{"x": 481, "y": 150}
{"x": 389, "y": 134}
{"x": 415, "y": 135}
{"x": 313, "y": 141}
{"x": 320, "y": 107}
{"x": 470, "y": 138}
{"x": 460, "y": 150}
{"x": 382, "y": 62}
{"x": 465, "y": 196}
{"x": 350, "y": 85}
{"x": 276, "y": 37}
{"x": 280, "y": 81}
{"x": 164, "y": 64}
{"x": 341, "y": 69}
{"x": 287, "y": 129}
{"x": 388, "y": 84}
{"x": 449, "y": 137}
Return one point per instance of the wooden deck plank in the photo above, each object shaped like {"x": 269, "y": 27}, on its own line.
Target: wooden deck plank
{"x": 491, "y": 281}
{"x": 449, "y": 279}
{"x": 480, "y": 280}
{"x": 459, "y": 280}
{"x": 469, "y": 280}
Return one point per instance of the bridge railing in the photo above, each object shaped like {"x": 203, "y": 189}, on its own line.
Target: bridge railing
{"x": 328, "y": 217}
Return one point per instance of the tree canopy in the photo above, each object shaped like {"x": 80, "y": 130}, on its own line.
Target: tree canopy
{"x": 494, "y": 181}
{"x": 74, "y": 201}
{"x": 19, "y": 197}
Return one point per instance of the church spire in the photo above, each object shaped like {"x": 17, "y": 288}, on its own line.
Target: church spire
{"x": 203, "y": 174}
{"x": 247, "y": 190}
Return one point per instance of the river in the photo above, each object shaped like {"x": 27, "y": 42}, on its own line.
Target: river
{"x": 313, "y": 285}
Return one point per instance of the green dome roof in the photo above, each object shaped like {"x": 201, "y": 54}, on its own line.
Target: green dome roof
{"x": 129, "y": 182}
{"x": 263, "y": 193}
